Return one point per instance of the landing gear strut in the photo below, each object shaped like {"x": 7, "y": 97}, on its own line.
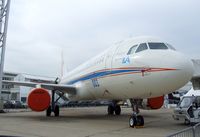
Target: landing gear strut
{"x": 54, "y": 107}
{"x": 114, "y": 108}
{"x": 135, "y": 120}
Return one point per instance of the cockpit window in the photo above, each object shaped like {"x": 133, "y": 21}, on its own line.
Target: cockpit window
{"x": 170, "y": 46}
{"x": 155, "y": 46}
{"x": 132, "y": 50}
{"x": 141, "y": 47}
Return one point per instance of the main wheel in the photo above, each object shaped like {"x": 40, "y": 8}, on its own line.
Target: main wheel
{"x": 117, "y": 110}
{"x": 48, "y": 111}
{"x": 140, "y": 120}
{"x": 110, "y": 110}
{"x": 132, "y": 121}
{"x": 56, "y": 111}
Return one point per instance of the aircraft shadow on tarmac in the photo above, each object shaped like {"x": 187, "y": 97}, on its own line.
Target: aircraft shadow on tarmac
{"x": 84, "y": 116}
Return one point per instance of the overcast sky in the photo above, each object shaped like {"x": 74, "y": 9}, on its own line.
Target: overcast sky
{"x": 40, "y": 29}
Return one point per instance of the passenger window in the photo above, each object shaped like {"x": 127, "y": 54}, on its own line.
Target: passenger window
{"x": 153, "y": 45}
{"x": 142, "y": 47}
{"x": 132, "y": 50}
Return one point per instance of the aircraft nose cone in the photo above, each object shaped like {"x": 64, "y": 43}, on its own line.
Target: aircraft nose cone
{"x": 180, "y": 74}
{"x": 184, "y": 70}
{"x": 185, "y": 66}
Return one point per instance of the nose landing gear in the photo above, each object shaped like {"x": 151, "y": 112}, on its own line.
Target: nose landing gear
{"x": 135, "y": 120}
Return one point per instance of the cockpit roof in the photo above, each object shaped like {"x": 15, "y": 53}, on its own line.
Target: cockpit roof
{"x": 143, "y": 39}
{"x": 157, "y": 43}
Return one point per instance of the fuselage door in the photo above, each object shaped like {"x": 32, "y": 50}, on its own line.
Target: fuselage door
{"x": 109, "y": 58}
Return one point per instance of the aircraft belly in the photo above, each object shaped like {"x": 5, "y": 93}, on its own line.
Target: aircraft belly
{"x": 123, "y": 87}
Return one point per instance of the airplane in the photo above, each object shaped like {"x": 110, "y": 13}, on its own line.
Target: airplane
{"x": 141, "y": 69}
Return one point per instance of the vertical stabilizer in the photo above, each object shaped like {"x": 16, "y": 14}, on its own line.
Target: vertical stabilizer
{"x": 62, "y": 65}
{"x": 63, "y": 69}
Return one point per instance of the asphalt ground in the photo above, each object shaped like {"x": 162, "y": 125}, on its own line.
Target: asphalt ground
{"x": 87, "y": 122}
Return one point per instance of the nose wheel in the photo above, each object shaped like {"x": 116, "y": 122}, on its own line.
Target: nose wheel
{"x": 136, "y": 121}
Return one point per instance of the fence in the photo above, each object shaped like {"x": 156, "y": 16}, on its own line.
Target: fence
{"x": 188, "y": 132}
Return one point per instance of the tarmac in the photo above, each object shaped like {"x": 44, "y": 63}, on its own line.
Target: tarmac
{"x": 87, "y": 122}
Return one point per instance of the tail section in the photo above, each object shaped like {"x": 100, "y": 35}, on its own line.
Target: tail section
{"x": 62, "y": 65}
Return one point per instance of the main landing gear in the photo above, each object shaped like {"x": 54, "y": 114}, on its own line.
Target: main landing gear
{"x": 56, "y": 111}
{"x": 114, "y": 108}
{"x": 135, "y": 120}
{"x": 54, "y": 107}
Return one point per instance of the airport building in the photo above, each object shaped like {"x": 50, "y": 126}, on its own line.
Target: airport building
{"x": 6, "y": 88}
{"x": 20, "y": 93}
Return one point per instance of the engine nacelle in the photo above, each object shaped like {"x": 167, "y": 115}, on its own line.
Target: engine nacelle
{"x": 39, "y": 99}
{"x": 153, "y": 103}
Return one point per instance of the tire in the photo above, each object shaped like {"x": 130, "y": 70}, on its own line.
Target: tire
{"x": 110, "y": 110}
{"x": 132, "y": 121}
{"x": 187, "y": 122}
{"x": 117, "y": 110}
{"x": 48, "y": 111}
{"x": 56, "y": 111}
{"x": 140, "y": 120}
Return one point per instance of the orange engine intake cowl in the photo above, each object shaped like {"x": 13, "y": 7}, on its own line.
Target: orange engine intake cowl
{"x": 156, "y": 102}
{"x": 39, "y": 99}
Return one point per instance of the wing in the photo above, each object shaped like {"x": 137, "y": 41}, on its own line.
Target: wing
{"x": 70, "y": 89}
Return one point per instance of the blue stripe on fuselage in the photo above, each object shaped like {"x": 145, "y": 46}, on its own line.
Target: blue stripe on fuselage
{"x": 102, "y": 74}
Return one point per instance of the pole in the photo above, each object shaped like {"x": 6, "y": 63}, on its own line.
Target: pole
{"x": 5, "y": 7}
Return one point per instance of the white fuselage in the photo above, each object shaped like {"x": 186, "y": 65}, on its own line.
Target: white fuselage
{"x": 114, "y": 74}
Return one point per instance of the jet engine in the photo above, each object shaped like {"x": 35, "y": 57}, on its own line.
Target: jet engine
{"x": 155, "y": 103}
{"x": 151, "y": 103}
{"x": 39, "y": 99}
